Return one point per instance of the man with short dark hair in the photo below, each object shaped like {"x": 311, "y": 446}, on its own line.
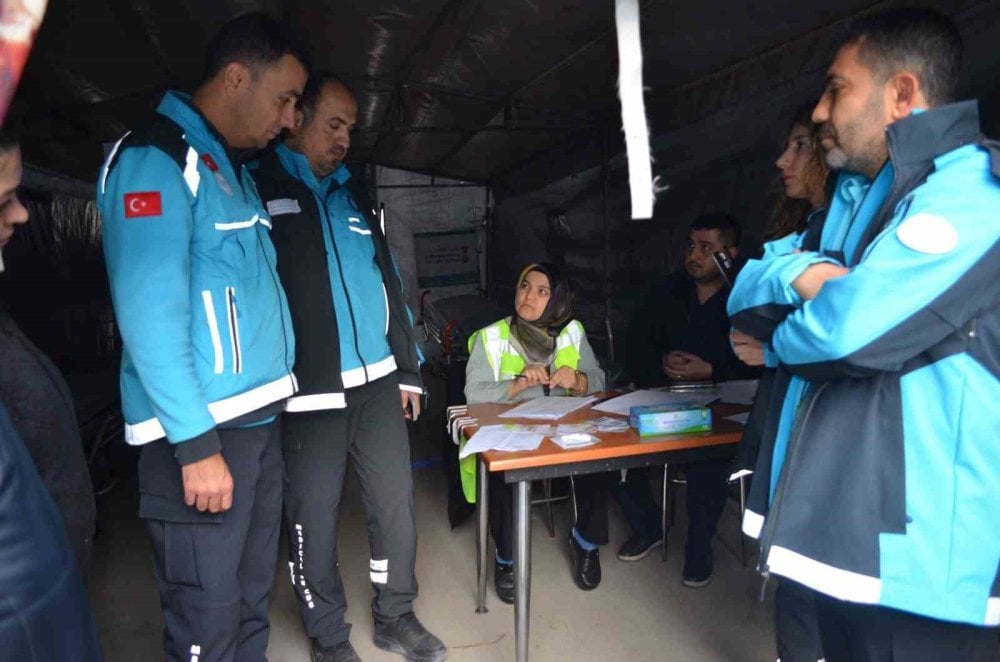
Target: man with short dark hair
{"x": 681, "y": 333}
{"x": 877, "y": 485}
{"x": 359, "y": 375}
{"x": 207, "y": 340}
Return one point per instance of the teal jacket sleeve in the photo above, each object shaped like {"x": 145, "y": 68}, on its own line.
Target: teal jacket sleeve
{"x": 763, "y": 296}
{"x": 920, "y": 281}
{"x": 149, "y": 265}
{"x": 782, "y": 246}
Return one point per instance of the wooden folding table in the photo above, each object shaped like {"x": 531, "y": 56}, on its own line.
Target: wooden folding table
{"x": 615, "y": 451}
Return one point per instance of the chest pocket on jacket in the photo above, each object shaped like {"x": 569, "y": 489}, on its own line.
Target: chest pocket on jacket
{"x": 236, "y": 221}
{"x": 354, "y": 243}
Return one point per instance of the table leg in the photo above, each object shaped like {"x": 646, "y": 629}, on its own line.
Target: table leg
{"x": 743, "y": 511}
{"x": 482, "y": 542}
{"x": 522, "y": 568}
{"x": 663, "y": 512}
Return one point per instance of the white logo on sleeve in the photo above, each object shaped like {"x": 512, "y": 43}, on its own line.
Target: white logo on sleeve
{"x": 928, "y": 233}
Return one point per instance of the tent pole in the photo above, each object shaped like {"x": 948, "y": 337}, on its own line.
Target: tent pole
{"x": 488, "y": 243}
{"x": 605, "y": 173}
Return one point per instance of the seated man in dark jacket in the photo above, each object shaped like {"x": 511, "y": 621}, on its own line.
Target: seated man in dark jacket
{"x": 681, "y": 332}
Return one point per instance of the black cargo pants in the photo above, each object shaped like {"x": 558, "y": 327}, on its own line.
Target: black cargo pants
{"x": 371, "y": 431}
{"x": 216, "y": 571}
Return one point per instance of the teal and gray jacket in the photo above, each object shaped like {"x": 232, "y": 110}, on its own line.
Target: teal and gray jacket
{"x": 879, "y": 481}
{"x": 204, "y": 322}
{"x": 346, "y": 298}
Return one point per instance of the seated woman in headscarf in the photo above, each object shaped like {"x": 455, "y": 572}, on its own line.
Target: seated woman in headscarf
{"x": 540, "y": 351}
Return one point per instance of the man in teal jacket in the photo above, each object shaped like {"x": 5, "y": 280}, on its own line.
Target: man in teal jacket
{"x": 208, "y": 346}
{"x": 880, "y": 489}
{"x": 359, "y": 371}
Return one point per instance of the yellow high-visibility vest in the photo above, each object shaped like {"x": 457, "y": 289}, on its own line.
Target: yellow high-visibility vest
{"x": 508, "y": 364}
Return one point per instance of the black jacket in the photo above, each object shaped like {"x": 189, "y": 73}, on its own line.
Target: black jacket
{"x": 41, "y": 406}
{"x": 303, "y": 269}
{"x": 670, "y": 318}
{"x": 44, "y": 613}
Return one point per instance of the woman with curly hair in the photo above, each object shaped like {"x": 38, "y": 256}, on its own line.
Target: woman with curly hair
{"x": 801, "y": 188}
{"x": 799, "y": 211}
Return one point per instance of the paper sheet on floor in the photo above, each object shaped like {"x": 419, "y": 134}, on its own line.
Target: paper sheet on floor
{"x": 739, "y": 391}
{"x": 500, "y": 438}
{"x": 623, "y": 403}
{"x": 548, "y": 409}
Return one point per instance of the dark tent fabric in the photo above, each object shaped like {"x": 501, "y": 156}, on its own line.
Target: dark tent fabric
{"x": 56, "y": 286}
{"x": 516, "y": 94}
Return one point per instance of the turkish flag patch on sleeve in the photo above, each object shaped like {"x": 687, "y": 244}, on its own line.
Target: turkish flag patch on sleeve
{"x": 146, "y": 203}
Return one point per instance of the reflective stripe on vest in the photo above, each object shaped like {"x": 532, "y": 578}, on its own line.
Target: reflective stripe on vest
{"x": 507, "y": 364}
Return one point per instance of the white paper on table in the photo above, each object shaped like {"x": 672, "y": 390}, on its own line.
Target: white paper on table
{"x": 608, "y": 424}
{"x": 739, "y": 418}
{"x": 574, "y": 428}
{"x": 642, "y": 398}
{"x": 500, "y": 438}
{"x": 520, "y": 441}
{"x": 544, "y": 429}
{"x": 549, "y": 409}
{"x": 740, "y": 391}
{"x": 575, "y": 440}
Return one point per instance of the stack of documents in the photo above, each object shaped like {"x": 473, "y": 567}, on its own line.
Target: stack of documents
{"x": 547, "y": 408}
{"x": 573, "y": 428}
{"x": 623, "y": 404}
{"x": 500, "y": 438}
{"x": 575, "y": 440}
{"x": 608, "y": 424}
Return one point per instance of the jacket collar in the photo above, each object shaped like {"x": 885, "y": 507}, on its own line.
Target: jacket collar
{"x": 179, "y": 107}
{"x": 924, "y": 136}
{"x": 297, "y": 165}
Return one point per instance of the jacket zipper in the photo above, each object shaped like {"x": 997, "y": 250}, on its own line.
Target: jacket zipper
{"x": 324, "y": 213}
{"x": 234, "y": 330}
{"x": 272, "y": 268}
{"x": 213, "y": 329}
{"x": 385, "y": 293}
{"x": 791, "y": 453}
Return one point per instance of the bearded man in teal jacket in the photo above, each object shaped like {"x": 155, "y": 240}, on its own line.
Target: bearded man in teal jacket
{"x": 878, "y": 481}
